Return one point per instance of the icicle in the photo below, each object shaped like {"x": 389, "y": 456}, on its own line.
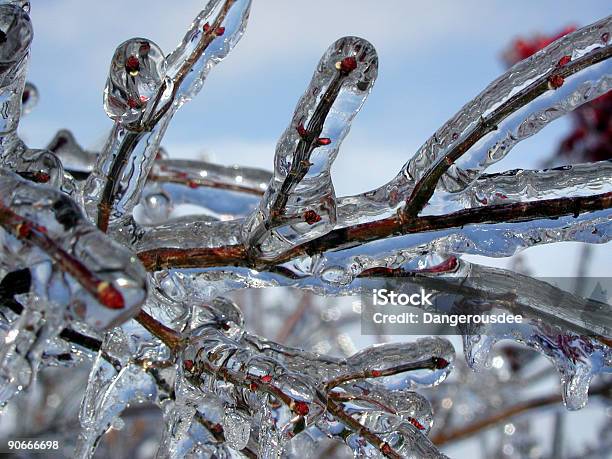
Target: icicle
{"x": 236, "y": 429}
{"x": 576, "y": 358}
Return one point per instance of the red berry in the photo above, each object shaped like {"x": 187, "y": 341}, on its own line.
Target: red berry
{"x": 220, "y": 31}
{"x": 132, "y": 64}
{"x": 385, "y": 448}
{"x": 348, "y": 64}
{"x": 134, "y": 103}
{"x": 188, "y": 365}
{"x": 109, "y": 296}
{"x": 440, "y": 363}
{"x": 301, "y": 130}
{"x": 376, "y": 373}
{"x": 206, "y": 27}
{"x": 416, "y": 423}
{"x": 24, "y": 230}
{"x": 42, "y": 177}
{"x": 192, "y": 184}
{"x": 323, "y": 141}
{"x": 266, "y": 379}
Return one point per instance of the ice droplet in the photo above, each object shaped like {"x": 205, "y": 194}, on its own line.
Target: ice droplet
{"x": 236, "y": 428}
{"x": 157, "y": 206}
{"x": 576, "y": 358}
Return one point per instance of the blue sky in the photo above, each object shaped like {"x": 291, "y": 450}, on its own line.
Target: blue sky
{"x": 433, "y": 59}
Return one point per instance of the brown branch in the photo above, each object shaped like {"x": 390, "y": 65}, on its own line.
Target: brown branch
{"x": 432, "y": 363}
{"x": 425, "y": 188}
{"x": 168, "y": 336}
{"x": 107, "y": 199}
{"x": 206, "y": 257}
{"x": 300, "y": 164}
{"x": 179, "y": 179}
{"x": 287, "y": 330}
{"x": 476, "y": 427}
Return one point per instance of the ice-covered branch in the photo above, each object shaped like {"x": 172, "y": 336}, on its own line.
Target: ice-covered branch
{"x": 143, "y": 92}
{"x": 300, "y": 202}
{"x": 166, "y": 257}
{"x": 43, "y": 224}
{"x": 506, "y": 137}
{"x": 312, "y": 387}
{"x": 561, "y": 77}
{"x": 521, "y": 185}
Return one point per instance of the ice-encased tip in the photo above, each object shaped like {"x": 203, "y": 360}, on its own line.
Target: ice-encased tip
{"x": 135, "y": 77}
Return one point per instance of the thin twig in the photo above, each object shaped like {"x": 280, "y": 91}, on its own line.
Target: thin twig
{"x": 111, "y": 187}
{"x": 425, "y": 188}
{"x": 206, "y": 257}
{"x": 471, "y": 429}
{"x": 167, "y": 335}
{"x": 300, "y": 164}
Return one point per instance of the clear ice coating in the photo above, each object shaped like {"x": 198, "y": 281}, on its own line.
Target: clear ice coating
{"x": 300, "y": 202}
{"x": 144, "y": 91}
{"x": 578, "y": 89}
{"x": 69, "y": 290}
{"x": 15, "y": 39}
{"x": 289, "y": 390}
{"x": 134, "y": 80}
{"x": 219, "y": 192}
{"x": 73, "y": 263}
